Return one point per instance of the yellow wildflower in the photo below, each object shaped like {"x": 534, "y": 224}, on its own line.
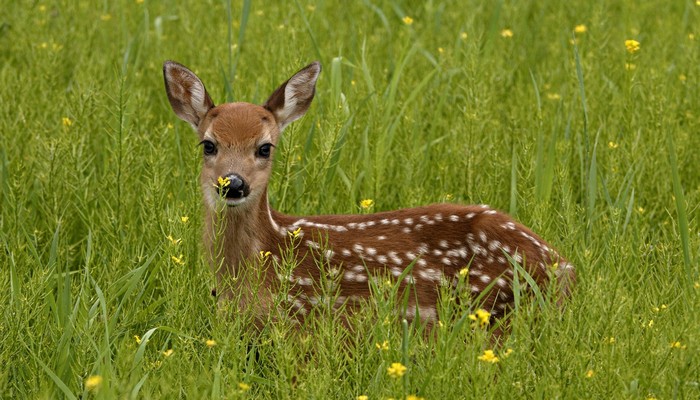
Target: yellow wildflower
{"x": 362, "y": 397}
{"x": 463, "y": 36}
{"x": 264, "y": 255}
{"x": 590, "y": 373}
{"x": 223, "y": 182}
{"x": 138, "y": 339}
{"x": 210, "y": 343}
{"x": 397, "y": 370}
{"x": 178, "y": 260}
{"x": 169, "y": 126}
{"x": 678, "y": 345}
{"x": 93, "y": 383}
{"x": 553, "y": 96}
{"x": 481, "y": 316}
{"x": 407, "y": 20}
{"x": 612, "y": 145}
{"x": 414, "y": 397}
{"x": 632, "y": 46}
{"x": 661, "y": 308}
{"x": 507, "y": 33}
{"x": 682, "y": 77}
{"x": 488, "y": 356}
{"x": 696, "y": 285}
{"x": 580, "y": 28}
{"x": 66, "y": 121}
{"x": 463, "y": 272}
{"x": 383, "y": 346}
{"x": 508, "y": 352}
{"x": 609, "y": 340}
{"x": 441, "y": 50}
{"x": 168, "y": 352}
{"x": 295, "y": 234}
{"x": 244, "y": 387}
{"x": 184, "y": 219}
{"x": 366, "y": 203}
{"x": 173, "y": 241}
{"x": 42, "y": 8}
{"x": 691, "y": 36}
{"x": 650, "y": 324}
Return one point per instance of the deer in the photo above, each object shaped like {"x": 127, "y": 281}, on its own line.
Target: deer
{"x": 424, "y": 248}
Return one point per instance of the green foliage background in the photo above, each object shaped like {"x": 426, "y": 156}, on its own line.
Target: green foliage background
{"x": 592, "y": 146}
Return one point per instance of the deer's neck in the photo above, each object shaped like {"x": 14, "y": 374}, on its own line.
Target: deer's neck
{"x": 235, "y": 237}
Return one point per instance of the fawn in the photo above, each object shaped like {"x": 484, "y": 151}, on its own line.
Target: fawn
{"x": 435, "y": 242}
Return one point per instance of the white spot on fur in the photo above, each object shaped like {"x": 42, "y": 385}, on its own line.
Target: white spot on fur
{"x": 454, "y": 218}
{"x": 381, "y": 237}
{"x": 443, "y": 243}
{"x": 485, "y": 278}
{"x": 408, "y": 221}
{"x": 346, "y": 252}
{"x": 382, "y": 259}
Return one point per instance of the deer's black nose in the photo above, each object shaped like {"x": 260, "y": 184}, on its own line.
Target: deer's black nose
{"x": 233, "y": 187}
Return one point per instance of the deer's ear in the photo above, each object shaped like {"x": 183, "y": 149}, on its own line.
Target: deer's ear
{"x": 186, "y": 92}
{"x": 291, "y": 100}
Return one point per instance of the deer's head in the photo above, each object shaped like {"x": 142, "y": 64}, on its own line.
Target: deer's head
{"x": 237, "y": 139}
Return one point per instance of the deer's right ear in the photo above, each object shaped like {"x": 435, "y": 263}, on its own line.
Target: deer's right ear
{"x": 186, "y": 92}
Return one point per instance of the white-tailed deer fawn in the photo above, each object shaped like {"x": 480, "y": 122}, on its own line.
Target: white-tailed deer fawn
{"x": 436, "y": 242}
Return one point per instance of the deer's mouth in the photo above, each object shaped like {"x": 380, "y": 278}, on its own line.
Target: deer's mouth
{"x": 235, "y": 202}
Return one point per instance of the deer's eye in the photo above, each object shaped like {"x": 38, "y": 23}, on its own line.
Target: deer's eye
{"x": 209, "y": 147}
{"x": 264, "y": 150}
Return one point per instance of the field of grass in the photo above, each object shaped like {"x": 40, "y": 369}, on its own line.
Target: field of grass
{"x": 537, "y": 108}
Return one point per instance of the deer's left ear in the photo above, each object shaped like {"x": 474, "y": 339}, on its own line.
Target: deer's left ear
{"x": 291, "y": 100}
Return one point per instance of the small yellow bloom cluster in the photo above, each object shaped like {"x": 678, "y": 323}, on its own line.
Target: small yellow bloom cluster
{"x": 178, "y": 260}
{"x": 489, "y": 356}
{"x": 612, "y": 145}
{"x": 67, "y": 122}
{"x": 383, "y": 346}
{"x": 396, "y": 370}
{"x": 414, "y": 397}
{"x": 244, "y": 387}
{"x": 362, "y": 397}
{"x": 407, "y": 20}
{"x": 632, "y": 46}
{"x": 590, "y": 373}
{"x": 366, "y": 203}
{"x": 678, "y": 345}
{"x": 173, "y": 241}
{"x": 659, "y": 309}
{"x": 295, "y": 234}
{"x": 184, "y": 219}
{"x": 507, "y": 33}
{"x": 137, "y": 338}
{"x": 264, "y": 255}
{"x": 223, "y": 182}
{"x": 463, "y": 272}
{"x": 93, "y": 383}
{"x": 168, "y": 353}
{"x": 210, "y": 343}
{"x": 481, "y": 316}
{"x": 580, "y": 28}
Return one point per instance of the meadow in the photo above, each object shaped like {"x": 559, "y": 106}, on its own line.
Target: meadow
{"x": 580, "y": 119}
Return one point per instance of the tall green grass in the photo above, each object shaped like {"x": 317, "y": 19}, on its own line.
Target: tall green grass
{"x": 592, "y": 146}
